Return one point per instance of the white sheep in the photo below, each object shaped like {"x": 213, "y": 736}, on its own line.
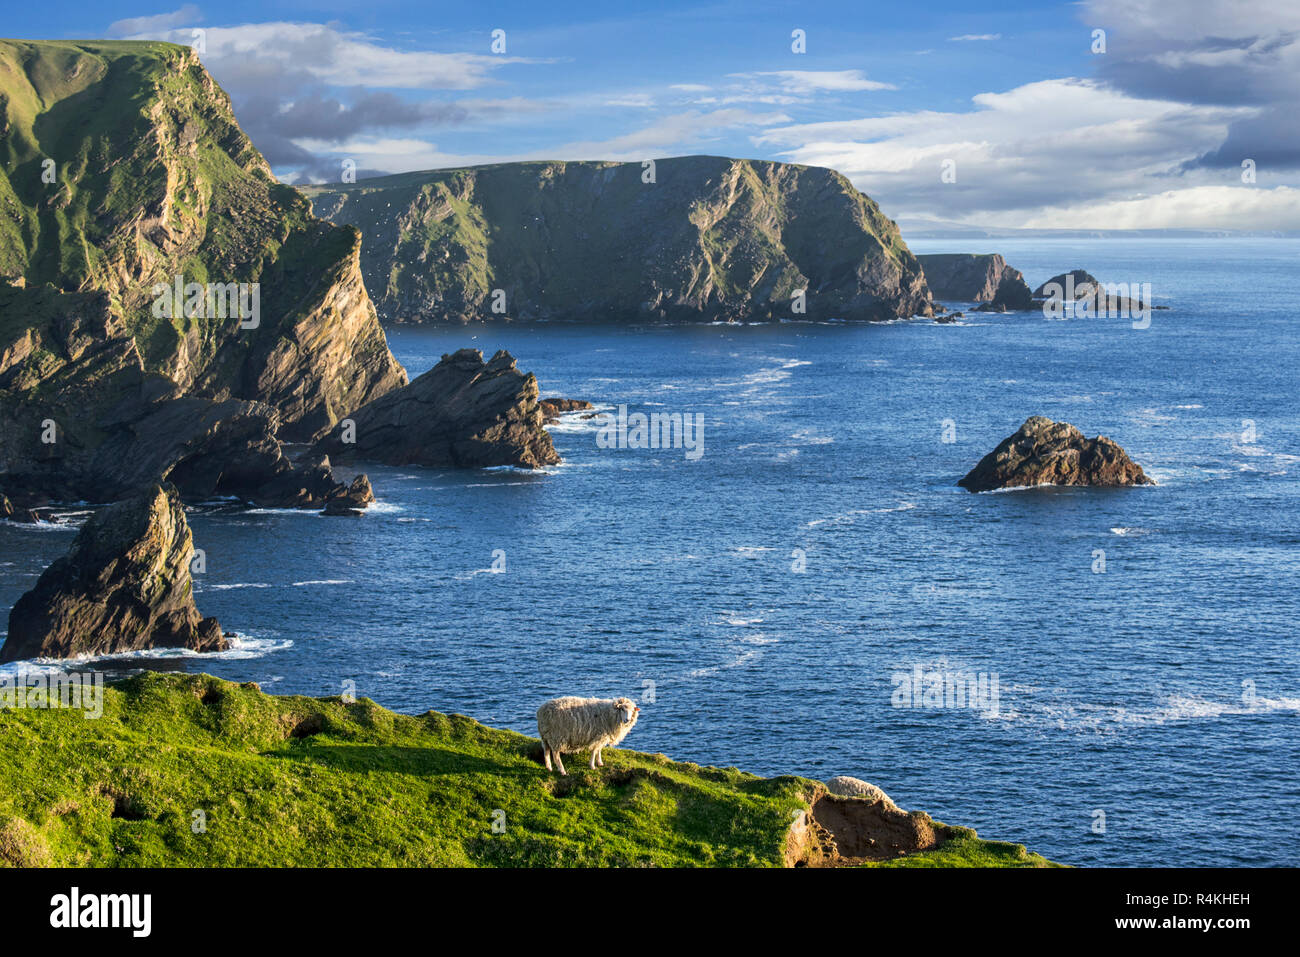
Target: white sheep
{"x": 570, "y": 724}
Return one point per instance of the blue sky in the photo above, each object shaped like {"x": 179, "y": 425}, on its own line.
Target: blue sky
{"x": 1034, "y": 126}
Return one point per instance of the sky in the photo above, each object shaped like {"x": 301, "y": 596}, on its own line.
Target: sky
{"x": 1100, "y": 114}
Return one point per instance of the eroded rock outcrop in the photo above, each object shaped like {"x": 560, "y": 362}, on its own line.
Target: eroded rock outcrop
{"x": 1043, "y": 452}
{"x": 462, "y": 413}
{"x": 973, "y": 277}
{"x": 180, "y": 269}
{"x": 124, "y": 586}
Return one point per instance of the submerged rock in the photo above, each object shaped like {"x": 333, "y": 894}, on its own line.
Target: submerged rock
{"x": 553, "y": 408}
{"x": 1043, "y": 452}
{"x": 124, "y": 586}
{"x": 462, "y": 413}
{"x": 973, "y": 277}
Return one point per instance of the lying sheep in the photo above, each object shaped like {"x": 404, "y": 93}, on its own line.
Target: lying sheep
{"x": 845, "y": 786}
{"x": 566, "y": 725}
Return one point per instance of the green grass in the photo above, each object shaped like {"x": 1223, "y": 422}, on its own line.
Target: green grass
{"x": 322, "y": 782}
{"x": 962, "y": 847}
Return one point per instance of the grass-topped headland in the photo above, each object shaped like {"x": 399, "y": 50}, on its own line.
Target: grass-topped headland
{"x": 190, "y": 770}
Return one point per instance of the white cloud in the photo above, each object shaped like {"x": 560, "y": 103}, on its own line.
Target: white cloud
{"x": 187, "y": 16}
{"x": 818, "y": 81}
{"x": 971, "y": 37}
{"x": 1055, "y": 148}
{"x": 1198, "y": 207}
{"x": 331, "y": 55}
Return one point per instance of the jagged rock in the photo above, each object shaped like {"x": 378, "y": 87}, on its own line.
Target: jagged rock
{"x": 352, "y": 501}
{"x": 973, "y": 277}
{"x": 845, "y": 786}
{"x": 14, "y": 513}
{"x": 711, "y": 238}
{"x": 462, "y": 413}
{"x": 948, "y": 317}
{"x": 553, "y": 408}
{"x": 1043, "y": 452}
{"x": 124, "y": 586}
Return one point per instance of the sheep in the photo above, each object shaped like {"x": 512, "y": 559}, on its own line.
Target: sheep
{"x": 845, "y": 786}
{"x": 575, "y": 724}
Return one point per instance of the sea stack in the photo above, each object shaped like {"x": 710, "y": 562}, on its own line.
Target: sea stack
{"x": 124, "y": 586}
{"x": 462, "y": 413}
{"x": 1043, "y": 452}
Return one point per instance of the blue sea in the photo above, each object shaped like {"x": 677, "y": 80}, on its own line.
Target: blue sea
{"x": 771, "y": 600}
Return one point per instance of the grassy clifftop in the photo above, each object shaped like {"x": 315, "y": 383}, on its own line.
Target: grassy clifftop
{"x": 709, "y": 238}
{"x": 322, "y": 782}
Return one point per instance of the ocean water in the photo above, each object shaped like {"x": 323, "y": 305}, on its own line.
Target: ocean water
{"x": 767, "y": 599}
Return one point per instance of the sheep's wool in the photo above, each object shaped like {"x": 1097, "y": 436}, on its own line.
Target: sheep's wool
{"x": 846, "y": 786}
{"x": 570, "y": 724}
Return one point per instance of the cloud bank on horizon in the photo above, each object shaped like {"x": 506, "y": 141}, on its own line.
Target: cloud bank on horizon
{"x": 972, "y": 120}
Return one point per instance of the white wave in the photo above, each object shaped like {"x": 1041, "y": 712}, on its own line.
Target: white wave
{"x": 1130, "y": 530}
{"x": 232, "y": 585}
{"x": 849, "y": 517}
{"x": 810, "y": 437}
{"x": 739, "y": 661}
{"x": 741, "y": 622}
{"x": 466, "y": 576}
{"x": 42, "y": 526}
{"x": 242, "y": 647}
{"x": 325, "y": 581}
{"x": 380, "y": 507}
{"x": 752, "y": 549}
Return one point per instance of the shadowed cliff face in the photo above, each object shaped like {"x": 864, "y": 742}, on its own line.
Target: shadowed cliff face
{"x": 972, "y": 277}
{"x": 124, "y": 585}
{"x": 124, "y": 171}
{"x": 711, "y": 238}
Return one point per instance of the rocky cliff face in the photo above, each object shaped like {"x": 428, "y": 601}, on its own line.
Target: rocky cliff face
{"x": 711, "y": 238}
{"x": 124, "y": 585}
{"x": 1043, "y": 452}
{"x": 971, "y": 277}
{"x": 124, "y": 170}
{"x": 462, "y": 413}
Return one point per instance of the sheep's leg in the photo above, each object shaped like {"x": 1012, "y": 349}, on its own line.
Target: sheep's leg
{"x": 559, "y": 764}
{"x": 600, "y": 757}
{"x": 546, "y": 753}
{"x": 595, "y": 757}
